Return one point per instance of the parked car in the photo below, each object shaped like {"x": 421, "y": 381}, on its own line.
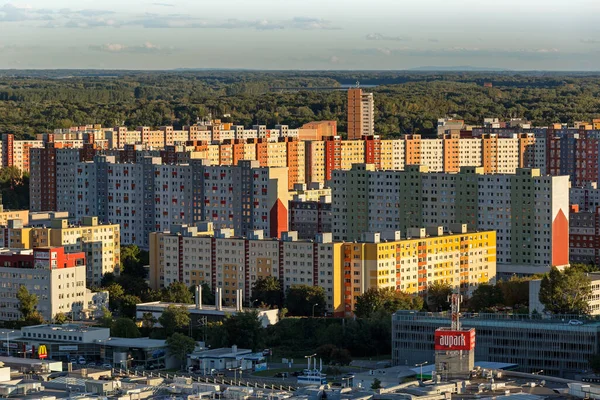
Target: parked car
{"x": 91, "y": 364}
{"x": 106, "y": 365}
{"x": 281, "y": 375}
{"x": 575, "y": 322}
{"x": 297, "y": 373}
{"x": 81, "y": 360}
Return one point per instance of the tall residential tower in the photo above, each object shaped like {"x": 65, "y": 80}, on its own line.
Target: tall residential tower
{"x": 360, "y": 113}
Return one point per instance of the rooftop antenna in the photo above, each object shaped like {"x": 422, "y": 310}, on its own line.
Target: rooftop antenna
{"x": 455, "y": 300}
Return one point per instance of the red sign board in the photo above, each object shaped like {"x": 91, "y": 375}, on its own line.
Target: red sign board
{"x": 454, "y": 340}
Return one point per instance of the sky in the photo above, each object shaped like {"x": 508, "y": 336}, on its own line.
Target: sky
{"x": 300, "y": 34}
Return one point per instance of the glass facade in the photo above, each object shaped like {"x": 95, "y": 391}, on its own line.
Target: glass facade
{"x": 552, "y": 345}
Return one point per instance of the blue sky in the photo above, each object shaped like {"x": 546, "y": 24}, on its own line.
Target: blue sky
{"x": 300, "y": 34}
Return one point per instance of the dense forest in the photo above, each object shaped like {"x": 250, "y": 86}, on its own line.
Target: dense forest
{"x": 406, "y": 102}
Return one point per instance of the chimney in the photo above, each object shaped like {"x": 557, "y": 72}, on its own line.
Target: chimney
{"x": 218, "y": 299}
{"x": 234, "y": 349}
{"x": 198, "y": 297}
{"x": 238, "y": 300}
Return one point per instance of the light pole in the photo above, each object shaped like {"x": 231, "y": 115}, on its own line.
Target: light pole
{"x": 309, "y": 358}
{"x": 421, "y": 365}
{"x": 313, "y": 309}
{"x": 539, "y": 372}
{"x": 8, "y": 342}
{"x": 235, "y": 370}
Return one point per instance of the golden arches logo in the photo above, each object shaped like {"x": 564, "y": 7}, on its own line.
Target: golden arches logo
{"x": 42, "y": 352}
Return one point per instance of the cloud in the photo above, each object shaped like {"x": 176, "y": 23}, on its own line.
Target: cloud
{"x": 15, "y": 13}
{"x": 307, "y": 23}
{"x": 121, "y": 48}
{"x": 379, "y": 36}
{"x": 538, "y": 53}
{"x": 590, "y": 41}
{"x": 153, "y": 21}
{"x": 163, "y": 4}
{"x": 334, "y": 60}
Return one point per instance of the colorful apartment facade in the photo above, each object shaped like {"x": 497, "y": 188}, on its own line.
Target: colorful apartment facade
{"x": 196, "y": 255}
{"x": 528, "y": 211}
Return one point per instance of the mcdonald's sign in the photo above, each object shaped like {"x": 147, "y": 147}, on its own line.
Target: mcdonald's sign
{"x": 42, "y": 352}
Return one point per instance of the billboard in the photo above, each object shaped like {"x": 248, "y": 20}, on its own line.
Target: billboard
{"x": 446, "y": 339}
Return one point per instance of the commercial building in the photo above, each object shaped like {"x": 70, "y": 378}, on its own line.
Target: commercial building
{"x": 345, "y": 270}
{"x": 551, "y": 345}
{"x": 361, "y": 110}
{"x": 55, "y": 277}
{"x": 100, "y": 242}
{"x": 528, "y": 211}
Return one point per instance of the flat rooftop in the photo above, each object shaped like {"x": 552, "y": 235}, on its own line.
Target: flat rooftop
{"x": 206, "y": 309}
{"x": 474, "y": 320}
{"x": 65, "y": 328}
{"x": 140, "y": 343}
{"x": 219, "y": 353}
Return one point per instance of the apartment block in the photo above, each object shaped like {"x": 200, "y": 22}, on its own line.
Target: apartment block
{"x": 99, "y": 242}
{"x": 195, "y": 255}
{"x": 150, "y": 196}
{"x": 54, "y": 276}
{"x": 361, "y": 118}
{"x": 309, "y": 217}
{"x": 584, "y": 235}
{"x": 528, "y": 211}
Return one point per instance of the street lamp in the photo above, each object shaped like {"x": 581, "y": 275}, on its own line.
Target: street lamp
{"x": 313, "y": 309}
{"x": 309, "y": 357}
{"x": 421, "y": 365}
{"x": 539, "y": 372}
{"x": 235, "y": 370}
{"x": 8, "y": 342}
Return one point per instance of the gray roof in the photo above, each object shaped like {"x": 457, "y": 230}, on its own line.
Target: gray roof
{"x": 144, "y": 343}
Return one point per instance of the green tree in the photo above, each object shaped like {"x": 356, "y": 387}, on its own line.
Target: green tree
{"x": 60, "y": 318}
{"x": 267, "y": 291}
{"x": 125, "y": 328}
{"x": 35, "y": 318}
{"x": 515, "y": 292}
{"x": 376, "y": 384}
{"x": 300, "y": 300}
{"x": 148, "y": 320}
{"x": 106, "y": 319}
{"x": 132, "y": 261}
{"x": 332, "y": 354}
{"x": 208, "y": 297}
{"x": 177, "y": 292}
{"x": 566, "y": 292}
{"x": 244, "y": 330}
{"x": 386, "y": 300}
{"x": 127, "y": 305}
{"x": 27, "y": 302}
{"x": 595, "y": 363}
{"x": 115, "y": 295}
{"x": 180, "y": 346}
{"x": 437, "y": 296}
{"x": 174, "y": 318}
{"x": 484, "y": 297}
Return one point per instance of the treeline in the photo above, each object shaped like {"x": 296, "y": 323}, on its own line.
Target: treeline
{"x": 406, "y": 102}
